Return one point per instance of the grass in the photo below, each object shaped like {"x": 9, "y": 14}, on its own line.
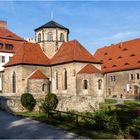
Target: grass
{"x": 69, "y": 126}
{"x": 110, "y": 101}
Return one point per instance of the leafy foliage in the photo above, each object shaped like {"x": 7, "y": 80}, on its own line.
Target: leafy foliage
{"x": 50, "y": 102}
{"x": 106, "y": 122}
{"x": 134, "y": 128}
{"x": 28, "y": 101}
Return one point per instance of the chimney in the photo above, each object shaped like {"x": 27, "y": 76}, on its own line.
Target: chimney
{"x": 3, "y": 24}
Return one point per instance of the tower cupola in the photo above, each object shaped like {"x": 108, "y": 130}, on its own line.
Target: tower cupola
{"x": 50, "y": 36}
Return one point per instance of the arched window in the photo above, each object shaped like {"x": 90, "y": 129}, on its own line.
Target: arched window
{"x": 62, "y": 37}
{"x": 14, "y": 82}
{"x": 44, "y": 87}
{"x": 50, "y": 36}
{"x": 39, "y": 37}
{"x": 99, "y": 84}
{"x": 65, "y": 79}
{"x": 85, "y": 86}
{"x": 56, "y": 80}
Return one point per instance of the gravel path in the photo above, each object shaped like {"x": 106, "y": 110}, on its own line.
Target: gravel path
{"x": 15, "y": 127}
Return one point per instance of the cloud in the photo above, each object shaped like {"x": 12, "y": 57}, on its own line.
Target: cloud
{"x": 115, "y": 38}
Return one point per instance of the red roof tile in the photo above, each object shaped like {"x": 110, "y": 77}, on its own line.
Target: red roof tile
{"x": 38, "y": 75}
{"x": 16, "y": 45}
{"x": 89, "y": 69}
{"x": 124, "y": 55}
{"x": 72, "y": 51}
{"x": 29, "y": 53}
{"x": 6, "y": 34}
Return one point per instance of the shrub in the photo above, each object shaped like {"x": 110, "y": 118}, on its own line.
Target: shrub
{"x": 50, "y": 102}
{"x": 28, "y": 101}
{"x": 106, "y": 122}
{"x": 134, "y": 128}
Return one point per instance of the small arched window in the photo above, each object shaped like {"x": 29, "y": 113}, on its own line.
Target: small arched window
{"x": 62, "y": 37}
{"x": 99, "y": 84}
{"x": 85, "y": 84}
{"x": 50, "y": 36}
{"x": 65, "y": 79}
{"x": 39, "y": 37}
{"x": 44, "y": 87}
{"x": 14, "y": 82}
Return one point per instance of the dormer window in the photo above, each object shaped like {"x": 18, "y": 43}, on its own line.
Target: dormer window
{"x": 132, "y": 55}
{"x": 126, "y": 64}
{"x": 104, "y": 67}
{"x": 119, "y": 57}
{"x": 110, "y": 59}
{"x": 106, "y": 53}
{"x": 9, "y": 46}
{"x": 1, "y": 45}
{"x": 10, "y": 36}
{"x": 50, "y": 36}
{"x": 114, "y": 65}
{"x": 124, "y": 49}
{"x": 62, "y": 37}
{"x": 39, "y": 37}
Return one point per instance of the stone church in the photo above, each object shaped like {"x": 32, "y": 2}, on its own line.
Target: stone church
{"x": 55, "y": 64}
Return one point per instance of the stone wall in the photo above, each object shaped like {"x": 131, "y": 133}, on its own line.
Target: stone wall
{"x": 50, "y": 48}
{"x": 122, "y": 83}
{"x": 22, "y": 73}
{"x": 92, "y": 84}
{"x": 66, "y": 103}
{"x": 72, "y": 70}
{"x": 38, "y": 86}
{"x": 79, "y": 103}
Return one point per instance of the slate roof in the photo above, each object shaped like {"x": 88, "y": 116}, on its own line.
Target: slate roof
{"x": 121, "y": 56}
{"x": 72, "y": 51}
{"x": 37, "y": 74}
{"x": 29, "y": 53}
{"x": 52, "y": 24}
{"x": 89, "y": 69}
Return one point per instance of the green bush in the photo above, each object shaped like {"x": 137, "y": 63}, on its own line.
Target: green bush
{"x": 88, "y": 121}
{"x": 134, "y": 128}
{"x": 50, "y": 102}
{"x": 106, "y": 122}
{"x": 28, "y": 101}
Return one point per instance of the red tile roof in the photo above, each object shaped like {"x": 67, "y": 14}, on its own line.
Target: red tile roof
{"x": 29, "y": 53}
{"x": 6, "y": 34}
{"x": 38, "y": 75}
{"x": 16, "y": 45}
{"x": 89, "y": 69}
{"x": 121, "y": 56}
{"x": 72, "y": 51}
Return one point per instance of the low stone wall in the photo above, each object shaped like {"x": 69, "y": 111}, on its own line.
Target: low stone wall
{"x": 66, "y": 103}
{"x": 79, "y": 103}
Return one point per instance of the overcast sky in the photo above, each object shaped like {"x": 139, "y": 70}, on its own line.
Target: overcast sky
{"x": 93, "y": 24}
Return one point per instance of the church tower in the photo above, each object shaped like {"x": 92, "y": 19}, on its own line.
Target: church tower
{"x": 50, "y": 36}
